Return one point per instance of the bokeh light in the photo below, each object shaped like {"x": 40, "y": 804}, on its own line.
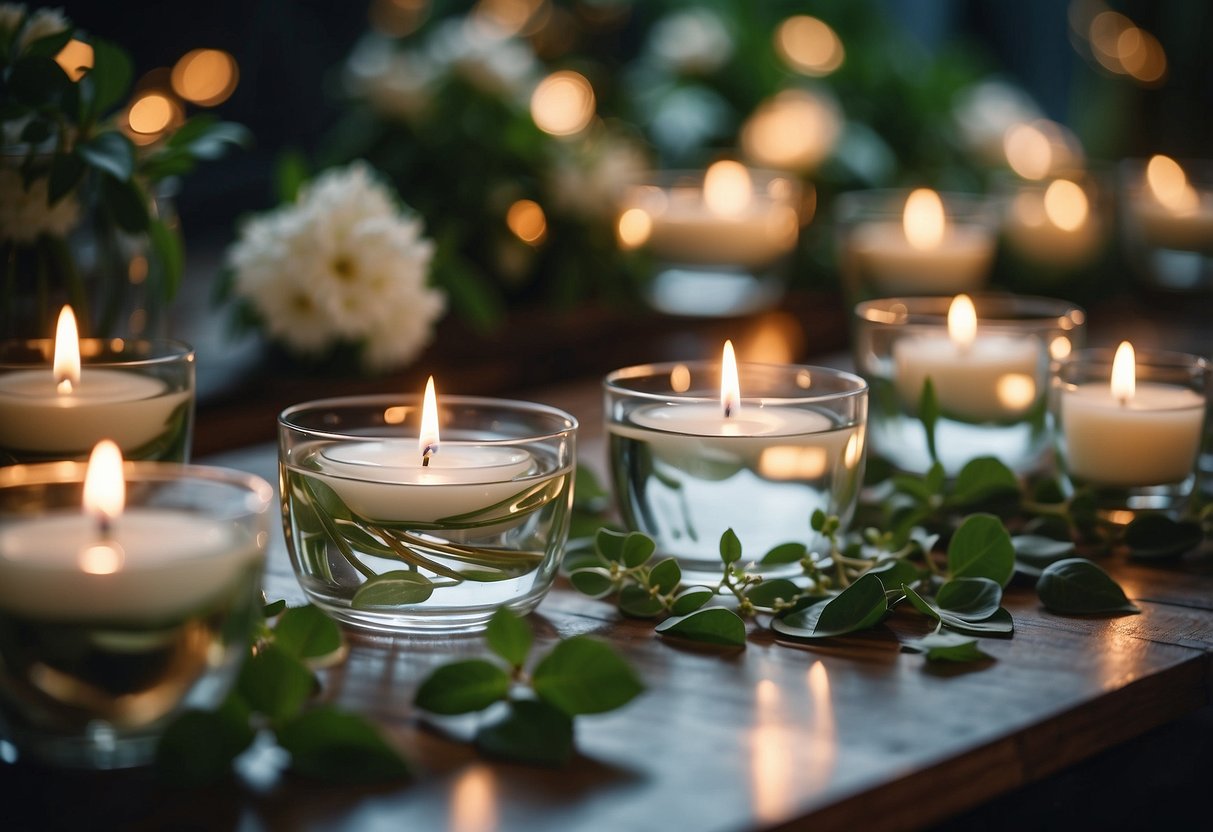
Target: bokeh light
{"x": 150, "y": 114}
{"x": 634, "y": 228}
{"x": 809, "y": 45}
{"x": 727, "y": 188}
{"x": 76, "y": 58}
{"x": 1066, "y": 204}
{"x": 563, "y": 103}
{"x": 795, "y": 130}
{"x": 206, "y": 77}
{"x": 526, "y": 219}
{"x": 399, "y": 17}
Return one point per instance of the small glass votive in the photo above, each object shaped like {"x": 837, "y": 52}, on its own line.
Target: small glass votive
{"x": 138, "y": 393}
{"x": 1167, "y": 216}
{"x": 1056, "y": 227}
{"x": 719, "y": 238}
{"x": 382, "y": 539}
{"x": 683, "y": 471}
{"x": 896, "y": 242}
{"x": 989, "y": 371}
{"x": 108, "y": 631}
{"x": 1129, "y": 427}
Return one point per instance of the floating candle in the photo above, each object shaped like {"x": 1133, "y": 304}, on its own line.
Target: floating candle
{"x": 1126, "y": 433}
{"x": 976, "y": 377}
{"x": 1053, "y": 225}
{"x": 1170, "y": 211}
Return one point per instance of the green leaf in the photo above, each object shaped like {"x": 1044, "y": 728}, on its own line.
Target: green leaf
{"x": 110, "y": 152}
{"x": 275, "y": 683}
{"x": 584, "y": 676}
{"x": 509, "y": 636}
{"x": 981, "y": 479}
{"x": 916, "y": 487}
{"x": 785, "y": 553}
{"x": 730, "y": 547}
{"x": 973, "y": 599}
{"x": 272, "y": 609}
{"x": 1040, "y": 551}
{"x": 691, "y": 599}
{"x": 110, "y": 76}
{"x": 893, "y": 573}
{"x": 307, "y": 633}
{"x": 330, "y": 745}
{"x": 928, "y": 414}
{"x": 67, "y": 170}
{"x": 637, "y": 602}
{"x": 198, "y": 747}
{"x": 393, "y": 589}
{"x": 981, "y": 548}
{"x": 462, "y": 687}
{"x": 208, "y": 138}
{"x": 588, "y": 493}
{"x": 37, "y": 81}
{"x": 127, "y": 202}
{"x": 637, "y": 549}
{"x": 817, "y": 520}
{"x": 949, "y": 647}
{"x": 765, "y": 594}
{"x": 919, "y": 603}
{"x": 1077, "y": 586}
{"x": 168, "y": 248}
{"x": 1153, "y": 536}
{"x": 610, "y": 544}
{"x": 858, "y": 607}
{"x": 595, "y": 581}
{"x": 532, "y": 732}
{"x": 999, "y": 625}
{"x": 713, "y": 625}
{"x": 666, "y": 576}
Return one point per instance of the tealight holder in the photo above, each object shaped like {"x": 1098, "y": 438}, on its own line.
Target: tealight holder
{"x": 683, "y": 472}
{"x": 990, "y": 390}
{"x": 898, "y": 242}
{"x": 1167, "y": 222}
{"x": 1135, "y": 448}
{"x": 1054, "y": 229}
{"x": 106, "y": 635}
{"x": 382, "y": 541}
{"x": 139, "y": 393}
{"x": 719, "y": 239}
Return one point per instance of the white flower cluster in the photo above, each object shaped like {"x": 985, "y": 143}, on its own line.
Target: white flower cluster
{"x": 42, "y": 23}
{"x": 340, "y": 265}
{"x": 25, "y": 213}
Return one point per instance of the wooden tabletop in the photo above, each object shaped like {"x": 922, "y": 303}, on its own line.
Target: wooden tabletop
{"x": 849, "y": 734}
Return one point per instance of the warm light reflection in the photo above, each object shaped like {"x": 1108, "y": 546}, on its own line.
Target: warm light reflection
{"x": 1124, "y": 373}
{"x": 772, "y": 756}
{"x": 793, "y": 462}
{"x": 1015, "y": 391}
{"x": 1060, "y": 347}
{"x": 923, "y": 219}
{"x": 809, "y": 45}
{"x": 730, "y": 386}
{"x": 962, "y": 322}
{"x": 563, "y": 103}
{"x": 527, "y": 220}
{"x": 1066, "y": 204}
{"x": 680, "y": 378}
{"x": 474, "y": 801}
{"x": 75, "y": 58}
{"x": 206, "y": 77}
{"x": 727, "y": 188}
{"x": 634, "y": 228}
{"x": 395, "y": 415}
{"x": 104, "y": 486}
{"x": 775, "y": 339}
{"x": 1029, "y": 151}
{"x": 427, "y": 438}
{"x": 1169, "y": 185}
{"x": 102, "y": 559}
{"x": 511, "y": 17}
{"x": 854, "y": 449}
{"x": 795, "y": 130}
{"x": 150, "y": 114}
{"x": 66, "y": 363}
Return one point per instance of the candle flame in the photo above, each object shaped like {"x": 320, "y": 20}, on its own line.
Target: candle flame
{"x": 730, "y": 388}
{"x": 67, "y": 352}
{"x": 1124, "y": 373}
{"x": 104, "y": 487}
{"x": 727, "y": 188}
{"x": 427, "y": 441}
{"x": 923, "y": 219}
{"x": 1169, "y": 185}
{"x": 1066, "y": 205}
{"x": 962, "y": 322}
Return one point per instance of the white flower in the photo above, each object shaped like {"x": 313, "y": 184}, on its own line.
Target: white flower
{"x": 396, "y": 84}
{"x": 693, "y": 41}
{"x": 489, "y": 59}
{"x": 341, "y": 265}
{"x": 25, "y": 214}
{"x": 42, "y": 23}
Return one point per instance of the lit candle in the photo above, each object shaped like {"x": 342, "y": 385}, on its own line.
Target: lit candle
{"x": 1053, "y": 226}
{"x": 1170, "y": 211}
{"x": 924, "y": 254}
{"x": 1128, "y": 433}
{"x": 727, "y": 221}
{"x": 107, "y": 561}
{"x": 422, "y": 479}
{"x": 64, "y": 409}
{"x": 977, "y": 377}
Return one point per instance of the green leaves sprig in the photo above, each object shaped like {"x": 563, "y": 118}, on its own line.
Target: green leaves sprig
{"x": 578, "y": 676}
{"x": 271, "y": 695}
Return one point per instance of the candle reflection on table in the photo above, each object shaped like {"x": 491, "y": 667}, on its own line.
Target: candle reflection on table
{"x": 474, "y": 800}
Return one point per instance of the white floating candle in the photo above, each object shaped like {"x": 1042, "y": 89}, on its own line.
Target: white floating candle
{"x": 1126, "y": 433}
{"x": 1170, "y": 211}
{"x": 978, "y": 377}
{"x": 67, "y": 409}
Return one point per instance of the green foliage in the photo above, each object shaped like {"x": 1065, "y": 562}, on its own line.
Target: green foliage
{"x": 711, "y": 625}
{"x": 1076, "y": 586}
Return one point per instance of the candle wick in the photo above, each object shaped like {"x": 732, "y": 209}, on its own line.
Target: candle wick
{"x": 65, "y": 386}
{"x": 105, "y": 526}
{"x": 425, "y": 456}
{"x": 728, "y": 410}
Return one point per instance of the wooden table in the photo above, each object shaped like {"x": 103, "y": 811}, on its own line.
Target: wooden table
{"x": 849, "y": 734}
